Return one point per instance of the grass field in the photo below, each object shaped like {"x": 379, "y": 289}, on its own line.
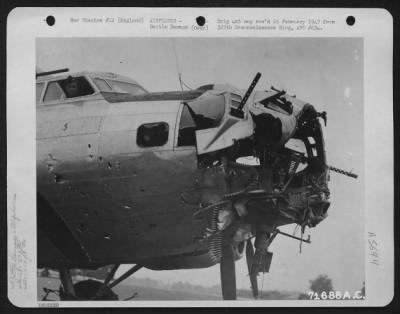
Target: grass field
{"x": 126, "y": 291}
{"x": 145, "y": 292}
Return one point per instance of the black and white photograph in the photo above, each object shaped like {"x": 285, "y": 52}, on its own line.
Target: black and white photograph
{"x": 199, "y": 157}
{"x": 199, "y": 169}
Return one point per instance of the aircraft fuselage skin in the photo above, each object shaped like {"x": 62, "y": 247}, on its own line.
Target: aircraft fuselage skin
{"x": 120, "y": 201}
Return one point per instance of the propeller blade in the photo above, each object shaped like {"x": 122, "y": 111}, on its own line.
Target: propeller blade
{"x": 252, "y": 273}
{"x": 228, "y": 275}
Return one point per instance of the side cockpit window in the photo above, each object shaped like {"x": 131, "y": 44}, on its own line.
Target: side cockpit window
{"x": 126, "y": 88}
{"x": 107, "y": 85}
{"x": 76, "y": 87}
{"x": 39, "y": 91}
{"x": 70, "y": 87}
{"x": 53, "y": 92}
{"x": 102, "y": 85}
{"x": 152, "y": 134}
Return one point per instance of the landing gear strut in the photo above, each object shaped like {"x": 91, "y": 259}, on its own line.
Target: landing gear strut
{"x": 68, "y": 291}
{"x": 228, "y": 276}
{"x": 92, "y": 289}
{"x": 259, "y": 261}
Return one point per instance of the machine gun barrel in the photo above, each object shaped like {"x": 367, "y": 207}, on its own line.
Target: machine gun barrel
{"x": 249, "y": 91}
{"x": 294, "y": 237}
{"x": 278, "y": 100}
{"x": 346, "y": 173}
{"x": 52, "y": 72}
{"x": 273, "y": 97}
{"x": 238, "y": 112}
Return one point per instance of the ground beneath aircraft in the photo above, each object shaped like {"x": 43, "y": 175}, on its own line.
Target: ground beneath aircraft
{"x": 146, "y": 293}
{"x": 125, "y": 291}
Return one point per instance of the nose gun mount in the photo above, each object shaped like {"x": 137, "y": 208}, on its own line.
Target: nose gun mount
{"x": 238, "y": 111}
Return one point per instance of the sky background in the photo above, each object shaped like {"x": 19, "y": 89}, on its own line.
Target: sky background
{"x": 326, "y": 72}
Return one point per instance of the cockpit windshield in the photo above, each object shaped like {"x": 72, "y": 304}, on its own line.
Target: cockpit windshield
{"x": 107, "y": 85}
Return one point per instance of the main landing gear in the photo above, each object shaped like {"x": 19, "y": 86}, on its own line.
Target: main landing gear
{"x": 257, "y": 262}
{"x": 92, "y": 289}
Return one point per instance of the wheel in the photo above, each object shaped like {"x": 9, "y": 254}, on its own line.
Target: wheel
{"x": 87, "y": 289}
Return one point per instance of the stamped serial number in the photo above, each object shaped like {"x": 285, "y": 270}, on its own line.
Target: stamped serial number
{"x": 336, "y": 295}
{"x": 49, "y": 304}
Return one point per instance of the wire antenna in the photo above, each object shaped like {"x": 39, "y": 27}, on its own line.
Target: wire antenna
{"x": 181, "y": 82}
{"x": 177, "y": 65}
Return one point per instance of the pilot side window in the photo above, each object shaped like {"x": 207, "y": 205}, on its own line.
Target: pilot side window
{"x": 53, "y": 92}
{"x": 152, "y": 134}
{"x": 76, "y": 87}
{"x": 68, "y": 88}
{"x": 39, "y": 91}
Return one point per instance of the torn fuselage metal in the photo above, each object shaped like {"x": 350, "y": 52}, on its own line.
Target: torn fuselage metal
{"x": 287, "y": 181}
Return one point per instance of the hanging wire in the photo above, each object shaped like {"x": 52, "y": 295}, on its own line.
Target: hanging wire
{"x": 181, "y": 82}
{"x": 177, "y": 64}
{"x": 184, "y": 84}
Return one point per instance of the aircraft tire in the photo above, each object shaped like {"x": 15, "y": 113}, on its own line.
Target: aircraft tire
{"x": 87, "y": 289}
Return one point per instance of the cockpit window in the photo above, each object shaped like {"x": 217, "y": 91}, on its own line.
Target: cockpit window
{"x": 102, "y": 85}
{"x": 70, "y": 87}
{"x": 76, "y": 87}
{"x": 124, "y": 87}
{"x": 53, "y": 92}
{"x": 39, "y": 91}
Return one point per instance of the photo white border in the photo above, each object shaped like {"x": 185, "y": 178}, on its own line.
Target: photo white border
{"x": 24, "y": 25}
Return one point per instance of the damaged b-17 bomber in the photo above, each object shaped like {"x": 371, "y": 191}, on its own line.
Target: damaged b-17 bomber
{"x": 125, "y": 176}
